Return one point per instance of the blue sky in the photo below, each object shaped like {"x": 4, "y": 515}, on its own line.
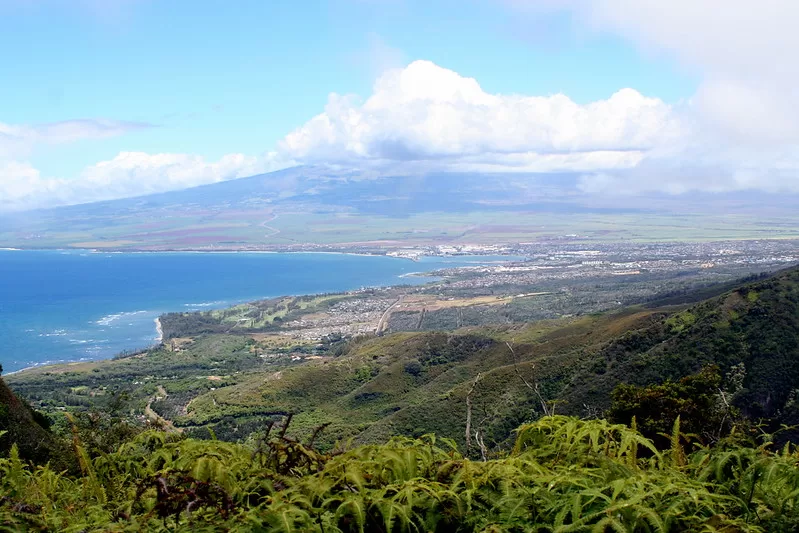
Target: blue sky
{"x": 208, "y": 78}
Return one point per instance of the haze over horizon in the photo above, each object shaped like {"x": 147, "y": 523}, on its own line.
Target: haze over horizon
{"x": 119, "y": 98}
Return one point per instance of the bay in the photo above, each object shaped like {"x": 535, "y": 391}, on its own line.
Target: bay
{"x": 58, "y": 306}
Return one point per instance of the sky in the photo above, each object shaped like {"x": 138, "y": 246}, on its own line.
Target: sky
{"x": 105, "y": 99}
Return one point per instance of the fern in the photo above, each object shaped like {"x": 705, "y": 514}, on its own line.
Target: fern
{"x": 563, "y": 475}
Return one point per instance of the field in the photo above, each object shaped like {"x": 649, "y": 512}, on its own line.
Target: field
{"x": 239, "y": 230}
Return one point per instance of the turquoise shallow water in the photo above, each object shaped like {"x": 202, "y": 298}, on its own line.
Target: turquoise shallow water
{"x": 60, "y": 306}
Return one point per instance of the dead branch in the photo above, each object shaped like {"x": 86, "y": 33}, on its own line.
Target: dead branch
{"x": 469, "y": 413}
{"x": 481, "y": 443}
{"x": 548, "y": 410}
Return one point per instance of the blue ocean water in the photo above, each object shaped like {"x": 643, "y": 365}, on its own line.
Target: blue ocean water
{"x": 58, "y": 306}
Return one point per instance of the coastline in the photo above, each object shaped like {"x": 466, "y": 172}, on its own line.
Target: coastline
{"x": 205, "y": 251}
{"x": 158, "y": 338}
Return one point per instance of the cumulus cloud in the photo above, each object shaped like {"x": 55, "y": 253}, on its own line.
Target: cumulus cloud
{"x": 426, "y": 112}
{"x": 740, "y": 130}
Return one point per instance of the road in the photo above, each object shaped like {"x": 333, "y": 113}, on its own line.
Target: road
{"x": 382, "y": 324}
{"x": 157, "y": 419}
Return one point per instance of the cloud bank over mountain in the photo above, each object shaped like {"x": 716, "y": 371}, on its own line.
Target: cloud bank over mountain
{"x": 739, "y": 131}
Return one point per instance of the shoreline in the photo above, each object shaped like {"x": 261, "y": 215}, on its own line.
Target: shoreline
{"x": 182, "y": 251}
{"x": 399, "y": 281}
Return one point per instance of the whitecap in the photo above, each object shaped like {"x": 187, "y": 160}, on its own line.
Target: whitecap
{"x": 56, "y": 333}
{"x": 205, "y": 304}
{"x": 112, "y": 318}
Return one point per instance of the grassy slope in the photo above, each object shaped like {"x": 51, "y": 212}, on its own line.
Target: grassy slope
{"x": 756, "y": 324}
{"x": 414, "y": 383}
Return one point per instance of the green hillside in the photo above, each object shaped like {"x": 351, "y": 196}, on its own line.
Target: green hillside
{"x": 755, "y": 325}
{"x": 22, "y": 425}
{"x": 415, "y": 383}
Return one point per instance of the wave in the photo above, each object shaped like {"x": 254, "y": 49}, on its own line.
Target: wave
{"x": 89, "y": 341}
{"x": 55, "y": 333}
{"x": 205, "y": 304}
{"x": 35, "y": 364}
{"x": 109, "y": 320}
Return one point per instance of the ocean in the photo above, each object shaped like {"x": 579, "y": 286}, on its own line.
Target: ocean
{"x": 58, "y": 306}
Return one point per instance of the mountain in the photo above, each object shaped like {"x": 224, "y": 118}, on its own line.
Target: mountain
{"x": 324, "y": 206}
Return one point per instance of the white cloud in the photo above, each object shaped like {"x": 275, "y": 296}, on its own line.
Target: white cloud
{"x": 18, "y": 183}
{"x": 144, "y": 173}
{"x": 744, "y": 116}
{"x": 128, "y": 174}
{"x": 740, "y": 130}
{"x": 427, "y": 113}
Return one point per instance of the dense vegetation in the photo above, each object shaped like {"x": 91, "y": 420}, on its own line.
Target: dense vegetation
{"x": 563, "y": 474}
{"x": 751, "y": 333}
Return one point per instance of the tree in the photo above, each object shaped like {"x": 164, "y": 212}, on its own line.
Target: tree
{"x": 697, "y": 399}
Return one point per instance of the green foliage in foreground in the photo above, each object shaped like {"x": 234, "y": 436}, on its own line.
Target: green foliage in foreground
{"x": 564, "y": 474}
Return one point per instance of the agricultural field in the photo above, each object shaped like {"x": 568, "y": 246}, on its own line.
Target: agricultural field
{"x": 275, "y": 229}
